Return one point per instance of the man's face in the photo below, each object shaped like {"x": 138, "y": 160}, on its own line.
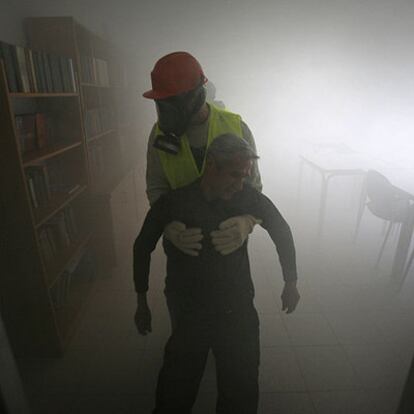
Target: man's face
{"x": 228, "y": 179}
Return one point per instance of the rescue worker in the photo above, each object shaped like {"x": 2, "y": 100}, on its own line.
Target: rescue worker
{"x": 186, "y": 126}
{"x": 212, "y": 293}
{"x": 211, "y": 95}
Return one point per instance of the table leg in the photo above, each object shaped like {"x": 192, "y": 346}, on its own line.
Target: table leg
{"x": 322, "y": 204}
{"x": 299, "y": 188}
{"x": 403, "y": 246}
{"x": 361, "y": 208}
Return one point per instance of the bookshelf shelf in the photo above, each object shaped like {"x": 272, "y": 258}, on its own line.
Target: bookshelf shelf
{"x": 95, "y": 85}
{"x": 101, "y": 135}
{"x": 48, "y": 152}
{"x": 55, "y": 204}
{"x": 55, "y": 269}
{"x": 43, "y": 95}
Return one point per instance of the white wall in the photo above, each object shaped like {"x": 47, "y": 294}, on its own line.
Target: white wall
{"x": 10, "y": 23}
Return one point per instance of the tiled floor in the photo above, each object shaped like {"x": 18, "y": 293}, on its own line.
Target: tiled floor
{"x": 346, "y": 350}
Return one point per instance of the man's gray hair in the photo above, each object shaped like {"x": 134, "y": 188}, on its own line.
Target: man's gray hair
{"x": 226, "y": 146}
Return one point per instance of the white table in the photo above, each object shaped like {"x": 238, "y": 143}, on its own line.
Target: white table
{"x": 330, "y": 161}
{"x": 333, "y": 160}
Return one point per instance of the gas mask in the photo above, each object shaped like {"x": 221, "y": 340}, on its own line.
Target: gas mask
{"x": 174, "y": 116}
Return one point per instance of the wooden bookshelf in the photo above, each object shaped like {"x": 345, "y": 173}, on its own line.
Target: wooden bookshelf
{"x": 55, "y": 204}
{"x": 108, "y": 102}
{"x": 43, "y": 95}
{"x": 34, "y": 323}
{"x": 94, "y": 85}
{"x": 34, "y": 157}
{"x": 98, "y": 136}
{"x": 57, "y": 267}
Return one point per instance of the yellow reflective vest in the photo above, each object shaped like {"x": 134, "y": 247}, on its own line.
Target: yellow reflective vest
{"x": 181, "y": 169}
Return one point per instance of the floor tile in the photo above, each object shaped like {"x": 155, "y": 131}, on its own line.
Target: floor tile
{"x": 387, "y": 401}
{"x": 326, "y": 368}
{"x": 309, "y": 329}
{"x": 355, "y": 328}
{"x": 344, "y": 402}
{"x": 285, "y": 403}
{"x": 273, "y": 331}
{"x": 397, "y": 327}
{"x": 279, "y": 371}
{"x": 378, "y": 366}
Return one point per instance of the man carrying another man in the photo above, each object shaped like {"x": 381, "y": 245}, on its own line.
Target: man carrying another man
{"x": 177, "y": 145}
{"x": 211, "y": 293}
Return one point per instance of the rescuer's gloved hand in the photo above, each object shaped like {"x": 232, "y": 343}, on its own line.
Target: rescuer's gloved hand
{"x": 143, "y": 319}
{"x": 232, "y": 233}
{"x": 186, "y": 240}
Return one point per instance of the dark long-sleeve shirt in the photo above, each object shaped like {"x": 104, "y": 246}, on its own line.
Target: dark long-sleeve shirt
{"x": 209, "y": 280}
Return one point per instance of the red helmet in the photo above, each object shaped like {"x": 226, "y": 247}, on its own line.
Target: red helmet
{"x": 175, "y": 74}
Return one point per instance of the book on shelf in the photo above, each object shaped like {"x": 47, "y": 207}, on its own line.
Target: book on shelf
{"x": 46, "y": 179}
{"x": 72, "y": 75}
{"x": 57, "y": 80}
{"x": 98, "y": 121}
{"x": 26, "y": 132}
{"x": 94, "y": 71}
{"x": 33, "y": 71}
{"x": 22, "y": 69}
{"x": 80, "y": 269}
{"x": 102, "y": 75}
{"x": 34, "y": 131}
{"x": 39, "y": 186}
{"x": 43, "y": 129}
{"x": 39, "y": 72}
{"x": 6, "y": 54}
{"x": 45, "y": 246}
{"x": 60, "y": 232}
{"x": 59, "y": 291}
{"x": 45, "y": 67}
{"x": 86, "y": 69}
{"x": 32, "y": 192}
{"x": 66, "y": 75}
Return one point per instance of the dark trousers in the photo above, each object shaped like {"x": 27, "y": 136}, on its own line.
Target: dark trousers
{"x": 234, "y": 340}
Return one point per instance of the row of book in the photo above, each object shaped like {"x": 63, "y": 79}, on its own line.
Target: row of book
{"x": 99, "y": 120}
{"x": 46, "y": 179}
{"x": 59, "y": 233}
{"x": 36, "y": 71}
{"x": 80, "y": 270}
{"x": 94, "y": 71}
{"x": 34, "y": 131}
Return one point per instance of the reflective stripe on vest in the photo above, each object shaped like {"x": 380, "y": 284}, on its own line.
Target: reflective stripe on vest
{"x": 181, "y": 169}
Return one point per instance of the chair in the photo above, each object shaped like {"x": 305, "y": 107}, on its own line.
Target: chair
{"x": 387, "y": 202}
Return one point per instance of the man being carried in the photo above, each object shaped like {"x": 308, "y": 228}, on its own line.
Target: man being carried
{"x": 211, "y": 294}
